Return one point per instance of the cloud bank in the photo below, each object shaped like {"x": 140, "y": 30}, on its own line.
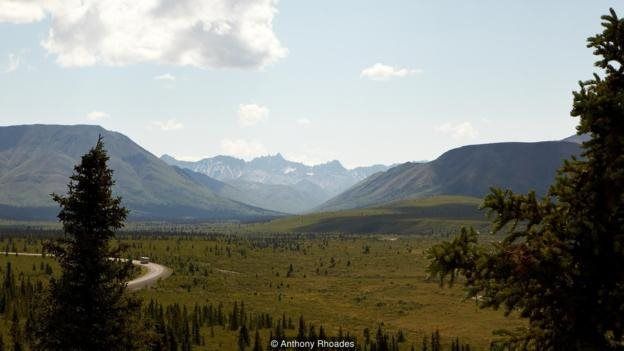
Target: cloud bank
{"x": 243, "y": 148}
{"x": 168, "y": 125}
{"x": 379, "y": 71}
{"x": 97, "y": 115}
{"x": 251, "y": 114}
{"x": 199, "y": 33}
{"x": 166, "y": 76}
{"x": 24, "y": 11}
{"x": 462, "y": 130}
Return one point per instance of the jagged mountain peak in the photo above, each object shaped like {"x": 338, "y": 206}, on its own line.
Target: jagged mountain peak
{"x": 330, "y": 178}
{"x": 333, "y": 166}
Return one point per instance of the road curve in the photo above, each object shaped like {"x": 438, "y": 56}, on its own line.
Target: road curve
{"x": 154, "y": 272}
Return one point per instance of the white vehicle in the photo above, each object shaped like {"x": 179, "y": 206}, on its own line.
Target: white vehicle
{"x": 144, "y": 260}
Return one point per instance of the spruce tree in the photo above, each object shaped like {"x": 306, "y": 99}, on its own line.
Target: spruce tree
{"x": 234, "y": 317}
{"x": 87, "y": 307}
{"x": 16, "y": 333}
{"x": 257, "y": 342}
{"x": 560, "y": 261}
{"x": 243, "y": 338}
{"x": 301, "y": 333}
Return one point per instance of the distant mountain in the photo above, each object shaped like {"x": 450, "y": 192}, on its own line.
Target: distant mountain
{"x": 278, "y": 184}
{"x": 36, "y": 160}
{"x": 469, "y": 170}
{"x": 579, "y": 139}
{"x": 219, "y": 167}
{"x": 277, "y": 197}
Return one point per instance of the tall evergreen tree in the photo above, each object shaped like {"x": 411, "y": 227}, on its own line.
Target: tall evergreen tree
{"x": 16, "y": 333}
{"x": 243, "y": 338}
{"x": 88, "y": 308}
{"x": 257, "y": 342}
{"x": 301, "y": 333}
{"x": 560, "y": 263}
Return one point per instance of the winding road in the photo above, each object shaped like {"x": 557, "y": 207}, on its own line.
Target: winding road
{"x": 154, "y": 272}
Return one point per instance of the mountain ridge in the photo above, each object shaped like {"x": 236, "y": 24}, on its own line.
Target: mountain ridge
{"x": 276, "y": 183}
{"x": 37, "y": 160}
{"x": 468, "y": 170}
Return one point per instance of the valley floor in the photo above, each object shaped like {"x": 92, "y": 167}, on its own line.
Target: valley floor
{"x": 344, "y": 283}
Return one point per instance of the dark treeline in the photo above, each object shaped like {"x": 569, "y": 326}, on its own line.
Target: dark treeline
{"x": 19, "y": 297}
{"x": 259, "y": 240}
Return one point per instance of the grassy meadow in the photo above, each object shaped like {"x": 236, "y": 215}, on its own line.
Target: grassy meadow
{"x": 342, "y": 282}
{"x": 436, "y": 215}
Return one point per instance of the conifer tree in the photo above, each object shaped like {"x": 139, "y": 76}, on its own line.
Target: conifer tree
{"x": 311, "y": 332}
{"x": 243, "y": 338}
{"x": 435, "y": 341}
{"x": 87, "y": 307}
{"x": 16, "y": 334}
{"x": 257, "y": 342}
{"x": 560, "y": 262}
{"x": 234, "y": 317}
{"x": 301, "y": 333}
{"x": 366, "y": 334}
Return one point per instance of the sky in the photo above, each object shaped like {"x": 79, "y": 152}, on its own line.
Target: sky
{"x": 364, "y": 82}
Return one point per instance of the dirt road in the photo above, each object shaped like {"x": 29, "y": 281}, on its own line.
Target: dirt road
{"x": 154, "y": 272}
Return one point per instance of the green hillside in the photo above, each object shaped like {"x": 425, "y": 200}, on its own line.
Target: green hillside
{"x": 432, "y": 215}
{"x": 37, "y": 160}
{"x": 469, "y": 171}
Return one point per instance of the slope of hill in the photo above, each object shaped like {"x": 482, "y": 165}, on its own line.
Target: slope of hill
{"x": 469, "y": 170}
{"x": 432, "y": 215}
{"x": 278, "y": 184}
{"x": 579, "y": 139}
{"x": 36, "y": 160}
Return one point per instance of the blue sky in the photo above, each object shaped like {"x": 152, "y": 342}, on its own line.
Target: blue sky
{"x": 359, "y": 81}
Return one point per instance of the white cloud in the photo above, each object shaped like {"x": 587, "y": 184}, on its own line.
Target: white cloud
{"x": 251, "y": 114}
{"x": 303, "y": 121}
{"x": 13, "y": 63}
{"x": 306, "y": 159}
{"x": 21, "y": 11}
{"x": 96, "y": 115}
{"x": 462, "y": 130}
{"x": 199, "y": 33}
{"x": 311, "y": 154}
{"x": 242, "y": 148}
{"x": 171, "y": 124}
{"x": 379, "y": 71}
{"x": 166, "y": 76}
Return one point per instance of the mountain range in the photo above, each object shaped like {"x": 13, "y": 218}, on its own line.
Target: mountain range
{"x": 278, "y": 184}
{"x": 36, "y": 160}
